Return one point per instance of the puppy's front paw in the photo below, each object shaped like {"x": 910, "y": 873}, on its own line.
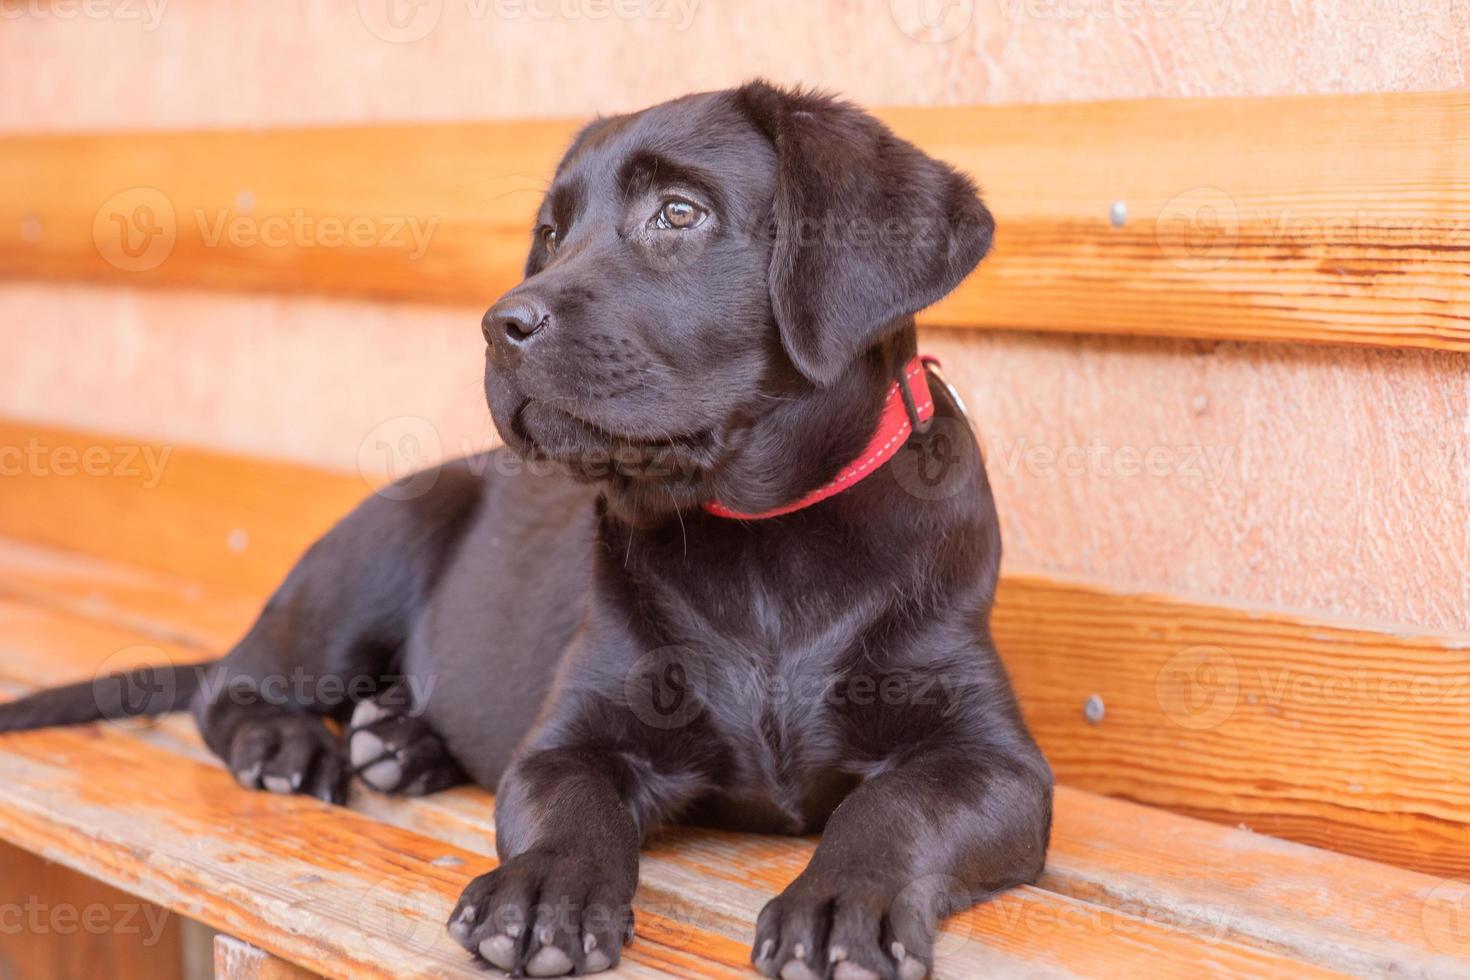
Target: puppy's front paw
{"x": 546, "y": 914}
{"x": 850, "y": 926}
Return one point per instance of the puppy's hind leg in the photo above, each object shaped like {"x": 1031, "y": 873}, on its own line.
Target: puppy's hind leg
{"x": 329, "y": 637}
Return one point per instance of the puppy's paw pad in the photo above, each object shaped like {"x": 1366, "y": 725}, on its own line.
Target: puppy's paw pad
{"x": 909, "y": 967}
{"x": 798, "y": 970}
{"x": 395, "y": 752}
{"x": 549, "y": 961}
{"x": 546, "y": 914}
{"x": 842, "y": 926}
{"x": 282, "y": 784}
{"x": 374, "y": 762}
{"x": 499, "y": 951}
{"x": 847, "y": 970}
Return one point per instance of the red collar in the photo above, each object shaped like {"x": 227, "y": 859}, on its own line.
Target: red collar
{"x": 894, "y": 426}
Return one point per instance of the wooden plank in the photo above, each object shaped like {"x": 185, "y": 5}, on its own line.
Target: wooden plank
{"x": 217, "y": 518}
{"x": 348, "y": 896}
{"x": 699, "y": 896}
{"x": 1196, "y": 878}
{"x": 319, "y": 886}
{"x": 235, "y": 959}
{"x": 1347, "y": 738}
{"x": 162, "y": 605}
{"x": 1340, "y": 218}
{"x": 439, "y": 213}
{"x": 1358, "y": 916}
{"x": 57, "y": 923}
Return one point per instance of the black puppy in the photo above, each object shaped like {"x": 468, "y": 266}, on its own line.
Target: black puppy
{"x": 655, "y": 604}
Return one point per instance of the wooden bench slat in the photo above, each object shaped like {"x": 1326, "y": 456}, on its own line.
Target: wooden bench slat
{"x": 1123, "y": 862}
{"x": 213, "y": 517}
{"x": 1346, "y": 738}
{"x": 1337, "y": 218}
{"x": 316, "y": 885}
{"x": 238, "y": 960}
{"x": 1289, "y": 692}
{"x": 322, "y": 887}
{"x": 55, "y": 923}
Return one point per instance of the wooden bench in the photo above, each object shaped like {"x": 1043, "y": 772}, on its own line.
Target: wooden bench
{"x": 1155, "y": 711}
{"x": 1129, "y": 888}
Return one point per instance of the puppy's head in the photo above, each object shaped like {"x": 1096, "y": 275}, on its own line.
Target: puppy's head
{"x": 713, "y": 290}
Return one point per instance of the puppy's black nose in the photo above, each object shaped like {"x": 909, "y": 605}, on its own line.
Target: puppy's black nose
{"x": 516, "y": 319}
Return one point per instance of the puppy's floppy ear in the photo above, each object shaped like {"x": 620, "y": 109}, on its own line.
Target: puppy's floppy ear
{"x": 868, "y": 229}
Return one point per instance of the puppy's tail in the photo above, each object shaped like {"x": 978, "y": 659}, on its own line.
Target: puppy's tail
{"x": 143, "y": 692}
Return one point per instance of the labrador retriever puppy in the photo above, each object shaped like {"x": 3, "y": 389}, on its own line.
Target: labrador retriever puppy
{"x": 713, "y": 576}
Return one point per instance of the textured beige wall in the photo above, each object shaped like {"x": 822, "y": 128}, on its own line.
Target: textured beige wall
{"x": 1321, "y": 479}
{"x": 178, "y": 63}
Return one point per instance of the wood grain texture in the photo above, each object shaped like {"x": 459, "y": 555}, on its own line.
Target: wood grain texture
{"x": 214, "y": 517}
{"x": 1227, "y": 883}
{"x": 235, "y": 959}
{"x": 696, "y": 883}
{"x": 348, "y": 896}
{"x": 1322, "y": 218}
{"x": 329, "y": 890}
{"x": 59, "y": 924}
{"x": 1346, "y": 737}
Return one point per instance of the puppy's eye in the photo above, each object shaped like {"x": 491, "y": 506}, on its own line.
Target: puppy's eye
{"x": 679, "y": 215}
{"x": 548, "y": 237}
